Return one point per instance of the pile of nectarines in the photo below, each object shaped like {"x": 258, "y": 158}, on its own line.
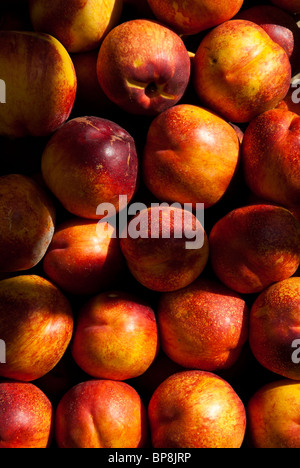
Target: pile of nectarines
{"x": 149, "y": 224}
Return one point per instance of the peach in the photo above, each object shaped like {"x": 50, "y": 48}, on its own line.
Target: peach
{"x": 270, "y": 157}
{"x": 40, "y": 84}
{"x": 196, "y": 409}
{"x": 203, "y": 326}
{"x": 36, "y": 324}
{"x": 116, "y": 336}
{"x": 79, "y": 25}
{"x": 273, "y": 415}
{"x": 101, "y": 414}
{"x": 280, "y": 25}
{"x": 27, "y": 223}
{"x": 190, "y": 156}
{"x": 253, "y": 246}
{"x": 83, "y": 259}
{"x": 161, "y": 255}
{"x": 26, "y": 416}
{"x": 143, "y": 67}
{"x": 194, "y": 16}
{"x": 104, "y": 165}
{"x": 274, "y": 327}
{"x": 239, "y": 71}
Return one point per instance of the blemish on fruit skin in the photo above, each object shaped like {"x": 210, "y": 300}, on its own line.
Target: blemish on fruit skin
{"x": 138, "y": 62}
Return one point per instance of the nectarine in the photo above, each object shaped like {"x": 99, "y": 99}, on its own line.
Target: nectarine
{"x": 240, "y": 72}
{"x": 196, "y": 409}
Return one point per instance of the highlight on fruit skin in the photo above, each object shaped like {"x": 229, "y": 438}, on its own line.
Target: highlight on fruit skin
{"x": 79, "y": 26}
{"x": 194, "y": 16}
{"x": 41, "y": 84}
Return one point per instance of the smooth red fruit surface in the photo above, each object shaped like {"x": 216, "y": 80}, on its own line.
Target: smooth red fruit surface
{"x": 254, "y": 246}
{"x": 143, "y": 67}
{"x": 240, "y": 72}
{"x": 190, "y": 156}
{"x": 83, "y": 257}
{"x": 280, "y": 26}
{"x": 27, "y": 223}
{"x": 26, "y": 416}
{"x": 203, "y": 326}
{"x": 293, "y": 6}
{"x": 36, "y": 324}
{"x": 165, "y": 247}
{"x": 116, "y": 336}
{"x": 90, "y": 161}
{"x": 273, "y": 415}
{"x": 101, "y": 414}
{"x": 40, "y": 84}
{"x": 270, "y": 159}
{"x": 274, "y": 328}
{"x": 194, "y": 16}
{"x": 196, "y": 409}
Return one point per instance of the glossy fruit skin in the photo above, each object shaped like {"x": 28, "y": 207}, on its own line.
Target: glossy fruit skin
{"x": 271, "y": 414}
{"x": 254, "y": 246}
{"x": 281, "y": 27}
{"x": 108, "y": 169}
{"x": 190, "y": 156}
{"x": 28, "y": 219}
{"x": 26, "y": 416}
{"x": 39, "y": 97}
{"x": 83, "y": 259}
{"x": 78, "y": 25}
{"x": 143, "y": 67}
{"x": 194, "y": 16}
{"x": 116, "y": 336}
{"x": 270, "y": 157}
{"x": 203, "y": 326}
{"x": 158, "y": 257}
{"x": 274, "y": 327}
{"x": 36, "y": 324}
{"x": 196, "y": 409}
{"x": 101, "y": 414}
{"x": 230, "y": 73}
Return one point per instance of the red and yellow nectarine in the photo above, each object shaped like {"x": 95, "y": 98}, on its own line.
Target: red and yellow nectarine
{"x": 273, "y": 415}
{"x": 194, "y": 16}
{"x": 101, "y": 414}
{"x": 203, "y": 326}
{"x": 36, "y": 324}
{"x": 82, "y": 259}
{"x": 116, "y": 336}
{"x": 270, "y": 150}
{"x": 26, "y": 416}
{"x": 190, "y": 156}
{"x": 27, "y": 222}
{"x": 143, "y": 67}
{"x": 240, "y": 72}
{"x": 40, "y": 84}
{"x": 196, "y": 409}
{"x": 78, "y": 25}
{"x": 274, "y": 327}
{"x": 254, "y": 246}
